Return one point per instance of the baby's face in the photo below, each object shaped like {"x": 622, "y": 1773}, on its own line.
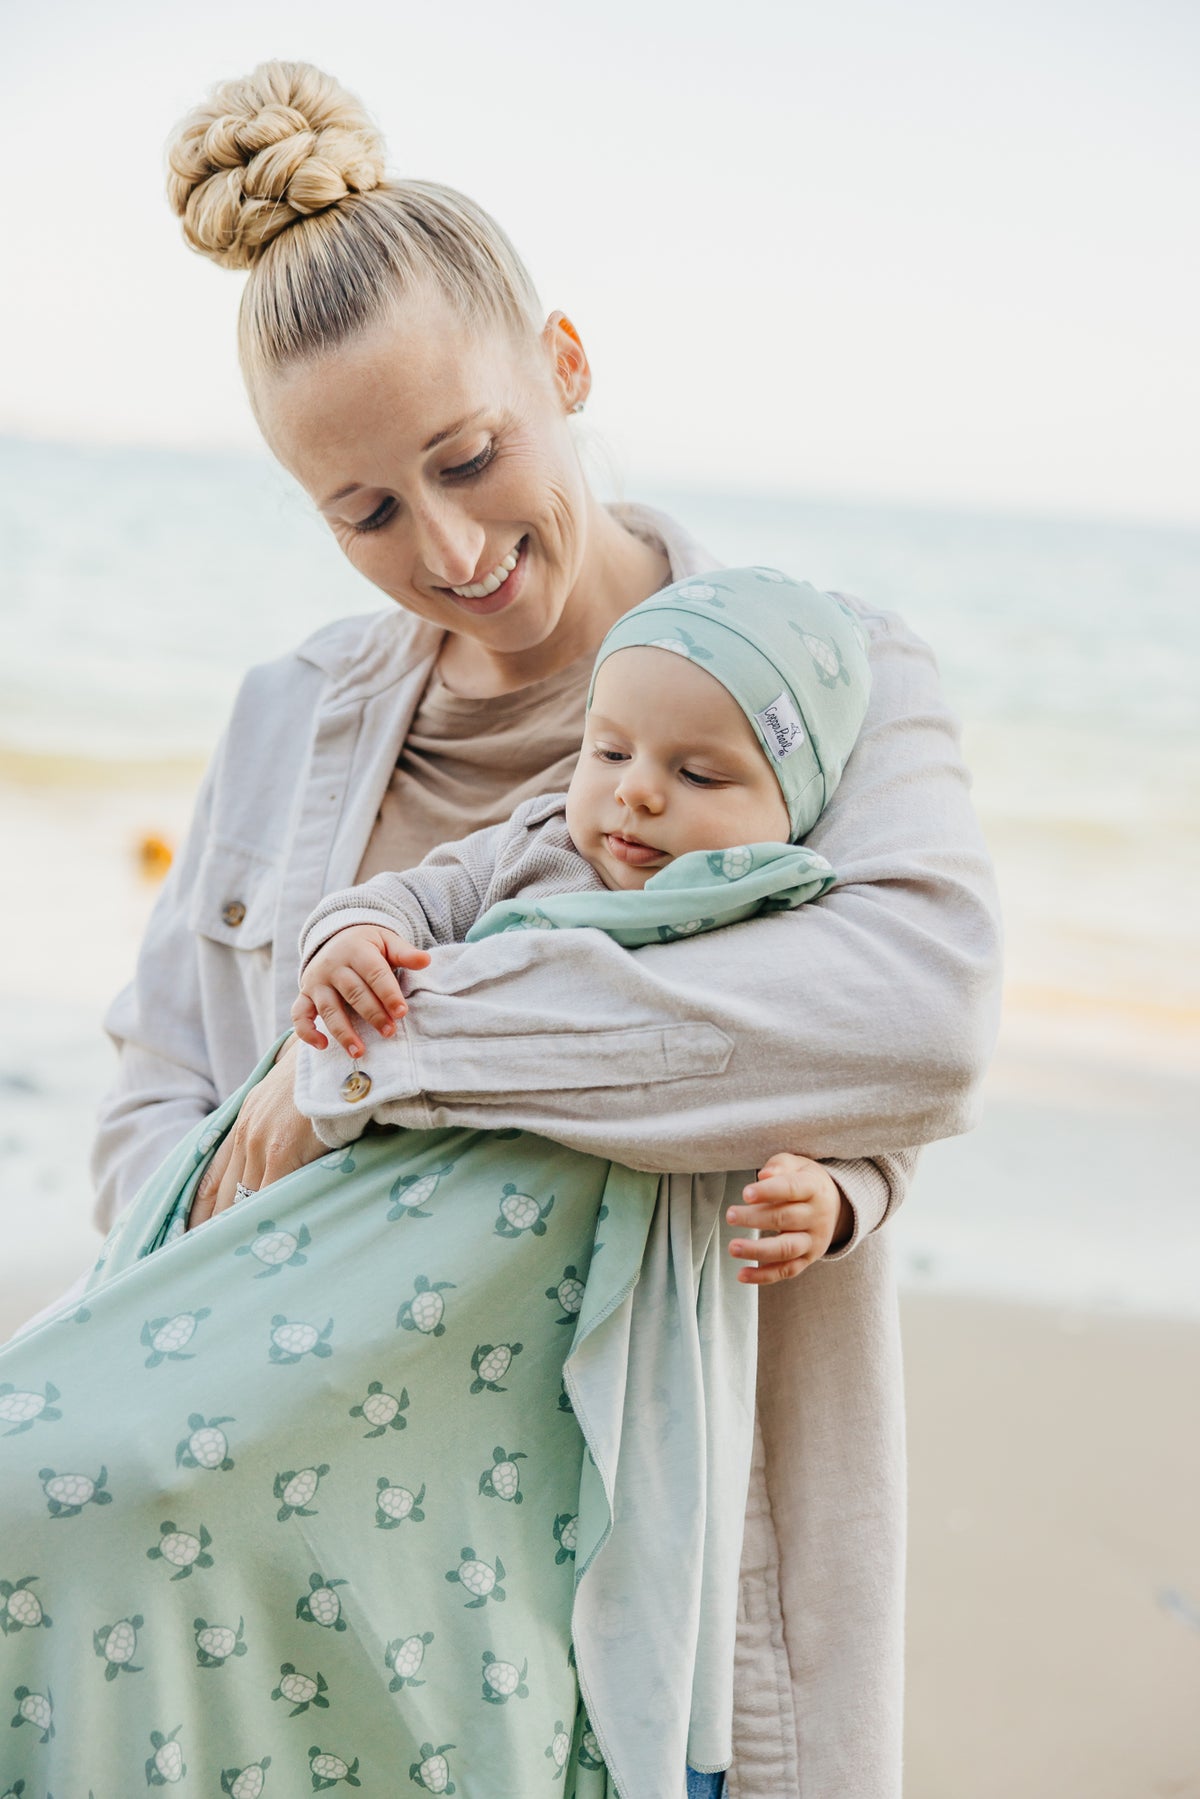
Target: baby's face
{"x": 670, "y": 763}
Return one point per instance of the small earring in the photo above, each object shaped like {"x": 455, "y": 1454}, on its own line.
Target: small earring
{"x": 578, "y": 406}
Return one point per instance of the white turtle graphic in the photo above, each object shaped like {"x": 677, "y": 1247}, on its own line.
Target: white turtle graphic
{"x": 116, "y": 1645}
{"x": 23, "y": 1410}
{"x": 568, "y": 1294}
{"x": 503, "y": 1681}
{"x": 341, "y": 1160}
{"x": 406, "y": 1657}
{"x": 503, "y": 1479}
{"x": 276, "y": 1249}
{"x": 246, "y": 1783}
{"x": 433, "y": 1770}
{"x": 394, "y": 1504}
{"x": 182, "y": 1550}
{"x": 21, "y": 1609}
{"x": 207, "y": 1446}
{"x": 410, "y": 1195}
{"x": 425, "y": 1310}
{"x": 701, "y": 590}
{"x": 321, "y": 1605}
{"x": 731, "y": 864}
{"x": 67, "y": 1494}
{"x": 382, "y": 1411}
{"x": 520, "y": 1212}
{"x": 167, "y": 1338}
{"x": 683, "y": 644}
{"x": 300, "y": 1690}
{"x": 773, "y": 575}
{"x": 36, "y": 1709}
{"x": 826, "y": 658}
{"x": 481, "y": 1579}
{"x": 558, "y": 1749}
{"x": 589, "y": 1749}
{"x": 295, "y": 1491}
{"x": 292, "y": 1339}
{"x": 328, "y": 1769}
{"x": 566, "y": 1535}
{"x": 215, "y": 1643}
{"x": 166, "y": 1765}
{"x": 490, "y": 1362}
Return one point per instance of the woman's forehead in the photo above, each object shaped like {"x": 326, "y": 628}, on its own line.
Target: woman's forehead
{"x": 398, "y": 388}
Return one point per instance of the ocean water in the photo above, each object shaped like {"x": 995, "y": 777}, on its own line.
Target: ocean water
{"x": 136, "y": 586}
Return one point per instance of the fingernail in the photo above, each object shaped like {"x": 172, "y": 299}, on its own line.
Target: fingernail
{"x": 386, "y": 1031}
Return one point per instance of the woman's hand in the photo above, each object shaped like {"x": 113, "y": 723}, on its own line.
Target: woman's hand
{"x": 270, "y": 1139}
{"x": 801, "y": 1201}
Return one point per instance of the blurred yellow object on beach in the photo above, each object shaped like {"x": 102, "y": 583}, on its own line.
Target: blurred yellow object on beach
{"x": 154, "y": 855}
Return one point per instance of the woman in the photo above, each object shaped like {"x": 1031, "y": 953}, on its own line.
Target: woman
{"x": 397, "y": 363}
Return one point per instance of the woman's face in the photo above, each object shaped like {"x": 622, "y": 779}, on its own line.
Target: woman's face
{"x": 442, "y": 459}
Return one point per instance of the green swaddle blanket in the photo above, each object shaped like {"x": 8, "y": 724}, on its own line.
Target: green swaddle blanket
{"x": 422, "y": 1469}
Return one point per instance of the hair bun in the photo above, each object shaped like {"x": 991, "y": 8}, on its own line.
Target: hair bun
{"x": 265, "y": 152}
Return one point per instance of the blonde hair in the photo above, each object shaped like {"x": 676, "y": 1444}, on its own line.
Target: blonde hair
{"x": 282, "y": 173}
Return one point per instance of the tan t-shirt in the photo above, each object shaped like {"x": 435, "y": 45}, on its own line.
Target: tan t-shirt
{"x": 467, "y": 763}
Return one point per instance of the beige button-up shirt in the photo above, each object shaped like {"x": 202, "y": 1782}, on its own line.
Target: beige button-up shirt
{"x": 856, "y": 1025}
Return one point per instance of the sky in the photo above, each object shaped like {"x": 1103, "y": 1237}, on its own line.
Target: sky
{"x": 939, "y": 252}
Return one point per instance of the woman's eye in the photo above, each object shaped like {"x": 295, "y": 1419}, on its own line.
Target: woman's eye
{"x": 380, "y": 516}
{"x": 476, "y": 466}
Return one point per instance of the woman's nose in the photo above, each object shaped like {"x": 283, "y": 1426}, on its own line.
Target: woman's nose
{"x": 448, "y": 543}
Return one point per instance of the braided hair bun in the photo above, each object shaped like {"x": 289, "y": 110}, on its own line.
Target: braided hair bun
{"x": 264, "y": 152}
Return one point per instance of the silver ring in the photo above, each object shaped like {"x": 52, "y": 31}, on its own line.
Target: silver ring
{"x": 241, "y": 1193}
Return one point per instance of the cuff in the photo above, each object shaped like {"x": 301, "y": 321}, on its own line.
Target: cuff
{"x": 327, "y": 926}
{"x": 867, "y": 1192}
{"x": 321, "y": 1073}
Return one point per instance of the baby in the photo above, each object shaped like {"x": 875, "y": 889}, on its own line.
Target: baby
{"x": 721, "y": 713}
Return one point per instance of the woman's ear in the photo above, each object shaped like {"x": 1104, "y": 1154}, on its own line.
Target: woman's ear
{"x": 572, "y": 372}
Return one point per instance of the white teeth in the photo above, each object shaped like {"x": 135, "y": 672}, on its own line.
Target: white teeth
{"x": 479, "y": 590}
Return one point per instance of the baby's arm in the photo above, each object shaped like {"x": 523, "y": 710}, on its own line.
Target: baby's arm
{"x": 353, "y": 942}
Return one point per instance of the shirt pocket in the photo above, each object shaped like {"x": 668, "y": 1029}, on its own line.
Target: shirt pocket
{"x": 236, "y": 896}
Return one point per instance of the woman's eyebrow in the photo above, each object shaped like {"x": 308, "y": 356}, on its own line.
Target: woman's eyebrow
{"x": 439, "y": 437}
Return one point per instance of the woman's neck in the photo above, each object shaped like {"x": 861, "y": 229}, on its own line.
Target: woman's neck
{"x": 619, "y": 571}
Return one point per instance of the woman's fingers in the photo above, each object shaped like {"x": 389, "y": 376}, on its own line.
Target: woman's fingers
{"x": 205, "y": 1197}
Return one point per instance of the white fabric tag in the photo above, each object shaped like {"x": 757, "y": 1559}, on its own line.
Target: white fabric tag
{"x": 780, "y": 725}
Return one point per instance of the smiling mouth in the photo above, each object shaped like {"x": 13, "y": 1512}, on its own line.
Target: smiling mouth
{"x": 494, "y": 580}
{"x": 632, "y": 850}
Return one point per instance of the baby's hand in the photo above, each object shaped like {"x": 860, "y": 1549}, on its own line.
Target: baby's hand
{"x": 355, "y": 966}
{"x": 800, "y": 1200}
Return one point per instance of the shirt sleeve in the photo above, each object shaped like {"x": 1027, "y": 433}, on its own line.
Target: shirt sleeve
{"x": 855, "y": 1023}
{"x": 164, "y": 1083}
{"x": 874, "y": 1187}
{"x": 435, "y": 903}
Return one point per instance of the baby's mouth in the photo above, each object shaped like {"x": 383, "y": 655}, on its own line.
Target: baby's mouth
{"x": 632, "y": 850}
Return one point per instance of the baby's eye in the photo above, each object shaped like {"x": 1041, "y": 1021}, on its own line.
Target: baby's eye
{"x": 603, "y": 755}
{"x": 696, "y": 780}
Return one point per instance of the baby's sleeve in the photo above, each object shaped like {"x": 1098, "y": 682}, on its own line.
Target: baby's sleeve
{"x": 437, "y": 902}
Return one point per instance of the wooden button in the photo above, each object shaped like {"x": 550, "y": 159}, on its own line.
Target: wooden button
{"x": 232, "y": 913}
{"x": 356, "y": 1086}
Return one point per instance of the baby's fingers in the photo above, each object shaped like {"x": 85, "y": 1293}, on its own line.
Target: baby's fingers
{"x": 304, "y": 1015}
{"x": 336, "y": 1020}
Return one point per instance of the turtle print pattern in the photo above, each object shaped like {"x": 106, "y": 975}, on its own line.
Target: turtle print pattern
{"x": 231, "y": 1513}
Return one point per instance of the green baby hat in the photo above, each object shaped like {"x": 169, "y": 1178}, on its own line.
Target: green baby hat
{"x": 794, "y": 659}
